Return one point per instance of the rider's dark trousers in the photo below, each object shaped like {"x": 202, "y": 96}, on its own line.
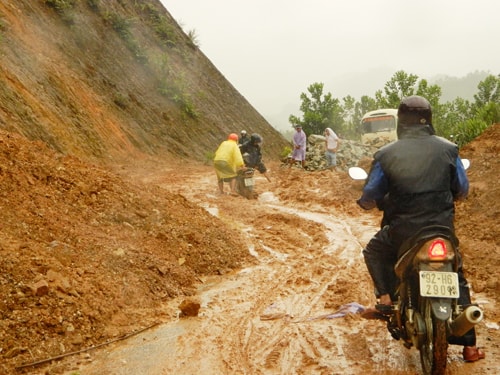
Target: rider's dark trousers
{"x": 380, "y": 257}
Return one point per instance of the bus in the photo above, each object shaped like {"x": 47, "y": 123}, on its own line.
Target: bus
{"x": 379, "y": 127}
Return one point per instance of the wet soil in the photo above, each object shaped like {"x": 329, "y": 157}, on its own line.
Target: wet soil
{"x": 277, "y": 316}
{"x": 268, "y": 274}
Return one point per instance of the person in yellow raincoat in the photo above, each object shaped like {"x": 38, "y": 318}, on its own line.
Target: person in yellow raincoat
{"x": 227, "y": 162}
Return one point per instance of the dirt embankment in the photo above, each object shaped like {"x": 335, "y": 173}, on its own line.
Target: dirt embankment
{"x": 87, "y": 255}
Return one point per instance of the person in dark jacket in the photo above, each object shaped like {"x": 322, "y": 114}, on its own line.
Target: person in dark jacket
{"x": 252, "y": 154}
{"x": 414, "y": 181}
{"x": 243, "y": 138}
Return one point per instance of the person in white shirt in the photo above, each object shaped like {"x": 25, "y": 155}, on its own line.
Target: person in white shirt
{"x": 332, "y": 142}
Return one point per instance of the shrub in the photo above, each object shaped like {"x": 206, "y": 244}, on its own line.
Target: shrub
{"x": 209, "y": 157}
{"x": 287, "y": 150}
{"x": 62, "y": 7}
{"x": 469, "y": 130}
{"x": 93, "y": 4}
{"x": 120, "y": 100}
{"x": 193, "y": 38}
{"x": 122, "y": 27}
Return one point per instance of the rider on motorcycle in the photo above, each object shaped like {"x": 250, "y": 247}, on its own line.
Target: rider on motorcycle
{"x": 252, "y": 153}
{"x": 414, "y": 181}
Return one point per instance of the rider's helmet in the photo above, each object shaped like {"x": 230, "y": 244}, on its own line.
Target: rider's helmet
{"x": 243, "y": 132}
{"x": 415, "y": 110}
{"x": 255, "y": 138}
{"x": 233, "y": 137}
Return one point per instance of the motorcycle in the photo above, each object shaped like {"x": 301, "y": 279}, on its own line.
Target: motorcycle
{"x": 426, "y": 312}
{"x": 245, "y": 182}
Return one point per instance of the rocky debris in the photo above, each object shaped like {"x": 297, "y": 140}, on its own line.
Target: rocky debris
{"x": 189, "y": 307}
{"x": 40, "y": 288}
{"x": 377, "y": 141}
{"x": 350, "y": 153}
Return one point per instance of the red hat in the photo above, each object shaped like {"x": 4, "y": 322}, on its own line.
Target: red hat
{"x": 233, "y": 137}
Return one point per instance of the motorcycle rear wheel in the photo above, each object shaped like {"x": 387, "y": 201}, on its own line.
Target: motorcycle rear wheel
{"x": 245, "y": 191}
{"x": 434, "y": 351}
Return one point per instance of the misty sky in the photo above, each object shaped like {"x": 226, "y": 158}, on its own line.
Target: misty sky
{"x": 272, "y": 50}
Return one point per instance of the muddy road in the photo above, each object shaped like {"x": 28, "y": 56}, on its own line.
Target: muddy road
{"x": 294, "y": 310}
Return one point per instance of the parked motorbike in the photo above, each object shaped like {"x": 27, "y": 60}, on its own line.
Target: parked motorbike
{"x": 245, "y": 182}
{"x": 426, "y": 311}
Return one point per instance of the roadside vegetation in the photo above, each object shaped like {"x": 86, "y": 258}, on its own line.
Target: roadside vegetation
{"x": 459, "y": 120}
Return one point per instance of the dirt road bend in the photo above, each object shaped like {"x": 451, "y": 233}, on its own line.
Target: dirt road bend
{"x": 284, "y": 313}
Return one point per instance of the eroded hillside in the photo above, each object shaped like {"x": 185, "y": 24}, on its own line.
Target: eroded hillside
{"x": 112, "y": 79}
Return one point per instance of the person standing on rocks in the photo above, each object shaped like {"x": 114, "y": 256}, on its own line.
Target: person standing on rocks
{"x": 299, "y": 147}
{"x": 227, "y": 161}
{"x": 332, "y": 143}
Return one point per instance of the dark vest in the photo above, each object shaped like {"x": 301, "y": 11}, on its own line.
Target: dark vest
{"x": 420, "y": 168}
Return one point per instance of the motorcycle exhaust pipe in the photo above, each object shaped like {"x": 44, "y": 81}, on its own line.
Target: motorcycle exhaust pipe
{"x": 466, "y": 321}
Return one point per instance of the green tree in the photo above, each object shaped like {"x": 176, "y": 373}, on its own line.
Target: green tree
{"x": 365, "y": 105}
{"x": 431, "y": 92}
{"x": 488, "y": 91}
{"x": 463, "y": 121}
{"x": 349, "y": 116}
{"x": 459, "y": 121}
{"x": 320, "y": 111}
{"x": 487, "y": 100}
{"x": 451, "y": 115}
{"x": 399, "y": 86}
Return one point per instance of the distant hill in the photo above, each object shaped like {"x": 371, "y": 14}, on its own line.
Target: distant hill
{"x": 106, "y": 80}
{"x": 369, "y": 82}
{"x": 459, "y": 87}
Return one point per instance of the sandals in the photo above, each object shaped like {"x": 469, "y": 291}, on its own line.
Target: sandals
{"x": 472, "y": 354}
{"x": 380, "y": 312}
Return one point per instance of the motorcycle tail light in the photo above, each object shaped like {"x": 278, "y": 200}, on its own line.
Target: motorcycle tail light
{"x": 437, "y": 250}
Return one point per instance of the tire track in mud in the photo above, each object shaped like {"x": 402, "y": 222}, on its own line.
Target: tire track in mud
{"x": 230, "y": 336}
{"x": 302, "y": 348}
{"x": 304, "y": 343}
{"x": 294, "y": 340}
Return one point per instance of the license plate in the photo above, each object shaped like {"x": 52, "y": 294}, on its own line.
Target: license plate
{"x": 249, "y": 181}
{"x": 439, "y": 284}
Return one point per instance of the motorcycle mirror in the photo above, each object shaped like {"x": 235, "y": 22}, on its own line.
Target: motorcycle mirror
{"x": 466, "y": 163}
{"x": 357, "y": 173}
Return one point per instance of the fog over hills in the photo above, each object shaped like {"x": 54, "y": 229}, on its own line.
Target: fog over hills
{"x": 367, "y": 83}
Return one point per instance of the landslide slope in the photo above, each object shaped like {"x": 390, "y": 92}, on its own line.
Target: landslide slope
{"x": 105, "y": 80}
{"x": 87, "y": 254}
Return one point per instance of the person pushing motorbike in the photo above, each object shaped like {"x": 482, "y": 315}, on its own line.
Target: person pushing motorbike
{"x": 252, "y": 154}
{"x": 414, "y": 181}
{"x": 227, "y": 162}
